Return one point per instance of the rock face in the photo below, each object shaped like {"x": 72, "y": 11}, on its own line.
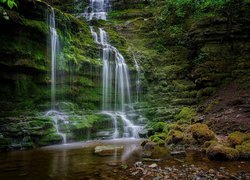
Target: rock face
{"x": 108, "y": 150}
{"x": 25, "y": 76}
{"x": 186, "y": 60}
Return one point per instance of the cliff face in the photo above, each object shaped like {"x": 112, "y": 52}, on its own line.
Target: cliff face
{"x": 25, "y": 75}
{"x": 200, "y": 62}
{"x": 187, "y": 60}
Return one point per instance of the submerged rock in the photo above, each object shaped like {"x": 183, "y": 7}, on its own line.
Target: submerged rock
{"x": 108, "y": 150}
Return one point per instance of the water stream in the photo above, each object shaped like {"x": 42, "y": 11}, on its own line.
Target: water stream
{"x": 54, "y": 51}
{"x": 116, "y": 88}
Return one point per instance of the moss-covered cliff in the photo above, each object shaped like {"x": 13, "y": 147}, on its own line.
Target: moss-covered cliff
{"x": 194, "y": 57}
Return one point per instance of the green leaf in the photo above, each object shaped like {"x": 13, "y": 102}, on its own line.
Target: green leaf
{"x": 10, "y": 4}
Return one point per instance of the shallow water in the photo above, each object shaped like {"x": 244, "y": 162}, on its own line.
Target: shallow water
{"x": 78, "y": 161}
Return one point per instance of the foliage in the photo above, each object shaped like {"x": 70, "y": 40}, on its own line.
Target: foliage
{"x": 10, "y": 3}
{"x": 186, "y": 114}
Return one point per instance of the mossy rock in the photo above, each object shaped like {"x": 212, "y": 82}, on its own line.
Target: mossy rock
{"x": 157, "y": 126}
{"x": 186, "y": 115}
{"x": 50, "y": 139}
{"x": 237, "y": 138}
{"x": 201, "y": 133}
{"x": 244, "y": 149}
{"x": 209, "y": 143}
{"x": 173, "y": 126}
{"x": 220, "y": 152}
{"x": 174, "y": 136}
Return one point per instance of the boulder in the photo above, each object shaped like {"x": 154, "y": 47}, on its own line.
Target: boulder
{"x": 221, "y": 152}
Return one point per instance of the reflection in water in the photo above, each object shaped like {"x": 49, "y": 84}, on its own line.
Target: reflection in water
{"x": 78, "y": 161}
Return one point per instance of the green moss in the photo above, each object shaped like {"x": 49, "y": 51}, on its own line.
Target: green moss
{"x": 221, "y": 152}
{"x": 50, "y": 139}
{"x": 211, "y": 105}
{"x": 157, "y": 140}
{"x": 201, "y": 132}
{"x": 244, "y": 149}
{"x": 174, "y": 136}
{"x": 172, "y": 126}
{"x": 209, "y": 143}
{"x": 157, "y": 126}
{"x": 37, "y": 25}
{"x": 237, "y": 138}
{"x": 186, "y": 114}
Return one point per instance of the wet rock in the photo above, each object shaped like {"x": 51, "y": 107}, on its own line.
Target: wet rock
{"x": 108, "y": 150}
{"x": 146, "y": 154}
{"x": 150, "y": 160}
{"x": 178, "y": 153}
{"x": 149, "y": 145}
{"x": 220, "y": 152}
{"x": 138, "y": 164}
{"x": 143, "y": 133}
{"x": 153, "y": 165}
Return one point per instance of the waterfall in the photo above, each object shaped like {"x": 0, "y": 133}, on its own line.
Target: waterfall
{"x": 54, "y": 51}
{"x": 97, "y": 9}
{"x": 116, "y": 95}
{"x": 54, "y": 46}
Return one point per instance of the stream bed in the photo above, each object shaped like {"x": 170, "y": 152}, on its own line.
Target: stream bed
{"x": 78, "y": 161}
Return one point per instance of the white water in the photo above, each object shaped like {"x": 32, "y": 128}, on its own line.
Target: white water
{"x": 54, "y": 46}
{"x": 97, "y": 9}
{"x": 116, "y": 100}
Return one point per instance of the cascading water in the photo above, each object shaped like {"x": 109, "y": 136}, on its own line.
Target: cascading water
{"x": 116, "y": 101}
{"x": 54, "y": 50}
{"x": 97, "y": 9}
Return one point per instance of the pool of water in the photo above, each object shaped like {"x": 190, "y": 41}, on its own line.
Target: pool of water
{"x": 78, "y": 161}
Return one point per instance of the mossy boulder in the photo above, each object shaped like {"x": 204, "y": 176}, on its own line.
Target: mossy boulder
{"x": 237, "y": 138}
{"x": 244, "y": 149}
{"x": 221, "y": 152}
{"x": 201, "y": 133}
{"x": 174, "y": 136}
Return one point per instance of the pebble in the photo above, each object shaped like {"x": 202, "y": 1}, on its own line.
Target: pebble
{"x": 156, "y": 172}
{"x": 153, "y": 165}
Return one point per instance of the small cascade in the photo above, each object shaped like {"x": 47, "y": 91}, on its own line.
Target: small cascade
{"x": 58, "y": 116}
{"x": 116, "y": 99}
{"x": 54, "y": 51}
{"x": 97, "y": 9}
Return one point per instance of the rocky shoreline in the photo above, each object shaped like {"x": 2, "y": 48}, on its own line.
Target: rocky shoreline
{"x": 156, "y": 172}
